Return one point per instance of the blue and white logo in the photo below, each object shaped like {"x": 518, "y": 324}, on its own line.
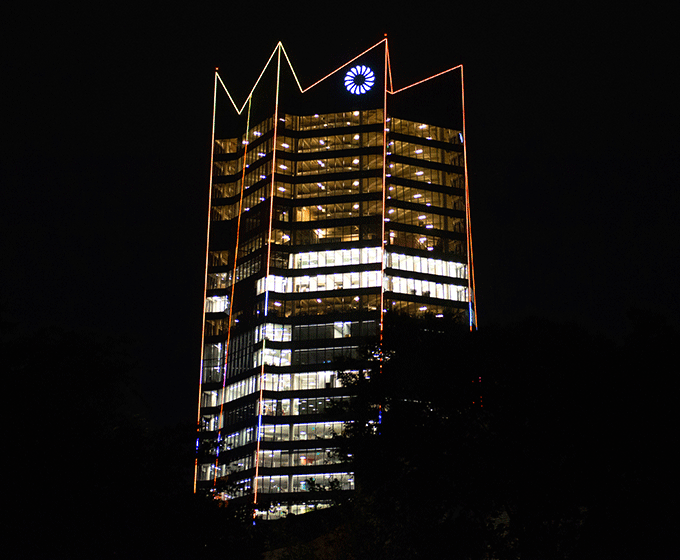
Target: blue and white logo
{"x": 359, "y": 80}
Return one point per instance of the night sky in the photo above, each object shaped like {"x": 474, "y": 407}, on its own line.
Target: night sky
{"x": 572, "y": 142}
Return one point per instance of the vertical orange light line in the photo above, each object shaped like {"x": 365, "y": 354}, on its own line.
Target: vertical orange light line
{"x": 233, "y": 283}
{"x": 471, "y": 267}
{"x": 384, "y": 195}
{"x": 266, "y": 277}
{"x": 205, "y": 278}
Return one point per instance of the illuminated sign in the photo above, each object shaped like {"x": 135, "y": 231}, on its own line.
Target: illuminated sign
{"x": 359, "y": 79}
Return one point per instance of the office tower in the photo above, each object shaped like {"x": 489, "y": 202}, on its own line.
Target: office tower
{"x": 332, "y": 209}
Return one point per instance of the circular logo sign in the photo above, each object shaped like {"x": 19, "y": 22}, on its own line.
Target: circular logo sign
{"x": 359, "y": 79}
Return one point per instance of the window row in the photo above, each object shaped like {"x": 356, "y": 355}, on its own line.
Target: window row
{"x": 322, "y": 306}
{"x": 320, "y": 282}
{"x": 425, "y": 152}
{"x": 281, "y": 357}
{"x": 296, "y": 432}
{"x": 221, "y": 280}
{"x": 346, "y": 141}
{"x": 339, "y": 257}
{"x": 426, "y": 288}
{"x": 426, "y": 242}
{"x": 417, "y": 309}
{"x": 425, "y": 265}
{"x": 217, "y": 304}
{"x": 340, "y": 164}
{"x": 338, "y": 210}
{"x": 425, "y": 174}
{"x": 274, "y": 458}
{"x": 334, "y": 120}
{"x": 427, "y": 220}
{"x": 305, "y": 483}
{"x": 419, "y": 195}
{"x": 337, "y": 329}
{"x": 427, "y": 131}
{"x": 302, "y": 406}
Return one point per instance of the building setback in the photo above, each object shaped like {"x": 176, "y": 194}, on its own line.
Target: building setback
{"x": 322, "y": 226}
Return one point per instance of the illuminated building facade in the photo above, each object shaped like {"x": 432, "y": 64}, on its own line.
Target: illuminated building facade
{"x": 322, "y": 225}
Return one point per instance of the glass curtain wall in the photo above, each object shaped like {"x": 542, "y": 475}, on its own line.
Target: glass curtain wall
{"x": 295, "y": 283}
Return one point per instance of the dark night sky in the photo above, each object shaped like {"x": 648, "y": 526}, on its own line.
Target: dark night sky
{"x": 571, "y": 114}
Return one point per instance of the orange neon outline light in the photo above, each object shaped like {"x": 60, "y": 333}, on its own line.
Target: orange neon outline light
{"x": 233, "y": 284}
{"x": 387, "y": 89}
{"x": 266, "y": 281}
{"x": 205, "y": 279}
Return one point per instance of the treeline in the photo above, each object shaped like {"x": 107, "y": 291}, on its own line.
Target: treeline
{"x": 536, "y": 440}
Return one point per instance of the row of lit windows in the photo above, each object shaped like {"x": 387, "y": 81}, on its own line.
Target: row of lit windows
{"x": 425, "y": 152}
{"x": 330, "y": 142}
{"x": 354, "y": 280}
{"x": 336, "y": 188}
{"x": 305, "y": 483}
{"x": 221, "y": 280}
{"x": 426, "y": 288}
{"x": 296, "y": 432}
{"x": 216, "y": 304}
{"x": 320, "y": 282}
{"x": 339, "y": 120}
{"x": 337, "y": 329}
{"x": 338, "y": 210}
{"x": 299, "y": 190}
{"x": 321, "y": 306}
{"x": 334, "y": 120}
{"x": 427, "y": 131}
{"x": 418, "y": 309}
{"x": 272, "y": 382}
{"x": 427, "y": 220}
{"x": 274, "y": 458}
{"x": 329, "y": 165}
{"x": 426, "y": 242}
{"x": 302, "y": 406}
{"x": 424, "y": 174}
{"x": 425, "y": 265}
{"x": 339, "y": 257}
{"x": 419, "y": 195}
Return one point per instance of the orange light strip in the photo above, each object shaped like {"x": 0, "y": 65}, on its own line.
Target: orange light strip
{"x": 266, "y": 278}
{"x": 205, "y": 278}
{"x": 384, "y": 198}
{"x": 343, "y": 66}
{"x": 233, "y": 284}
{"x": 239, "y": 111}
{"x": 471, "y": 267}
{"x": 427, "y": 79}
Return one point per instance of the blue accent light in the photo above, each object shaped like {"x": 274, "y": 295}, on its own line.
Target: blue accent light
{"x": 359, "y": 79}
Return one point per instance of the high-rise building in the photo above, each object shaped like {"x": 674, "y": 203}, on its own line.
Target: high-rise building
{"x": 332, "y": 208}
